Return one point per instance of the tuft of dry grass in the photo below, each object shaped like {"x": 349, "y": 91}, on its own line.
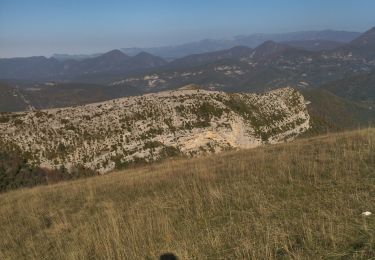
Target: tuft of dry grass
{"x": 301, "y": 200}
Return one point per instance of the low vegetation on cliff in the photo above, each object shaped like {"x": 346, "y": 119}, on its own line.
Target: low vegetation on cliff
{"x": 123, "y": 132}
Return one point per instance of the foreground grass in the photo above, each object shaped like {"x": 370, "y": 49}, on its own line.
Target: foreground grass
{"x": 301, "y": 200}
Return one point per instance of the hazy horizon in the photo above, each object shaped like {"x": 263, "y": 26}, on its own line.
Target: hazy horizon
{"x": 39, "y": 27}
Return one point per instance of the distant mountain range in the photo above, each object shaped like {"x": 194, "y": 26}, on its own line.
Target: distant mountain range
{"x": 64, "y": 57}
{"x": 114, "y": 62}
{"x": 294, "y": 49}
{"x": 268, "y": 66}
{"x": 315, "y": 45}
{"x": 304, "y": 39}
{"x": 309, "y": 40}
{"x": 338, "y": 76}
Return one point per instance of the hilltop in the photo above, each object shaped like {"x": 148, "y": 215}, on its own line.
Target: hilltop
{"x": 185, "y": 122}
{"x": 300, "y": 200}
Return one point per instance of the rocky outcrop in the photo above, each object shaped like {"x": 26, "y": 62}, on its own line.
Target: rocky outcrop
{"x": 189, "y": 121}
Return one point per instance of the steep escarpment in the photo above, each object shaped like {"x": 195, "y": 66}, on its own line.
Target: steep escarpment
{"x": 116, "y": 133}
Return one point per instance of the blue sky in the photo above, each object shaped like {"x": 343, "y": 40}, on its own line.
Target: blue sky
{"x": 43, "y": 27}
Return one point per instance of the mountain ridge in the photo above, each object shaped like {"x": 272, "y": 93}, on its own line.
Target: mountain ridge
{"x": 252, "y": 41}
{"x": 42, "y": 68}
{"x": 116, "y": 133}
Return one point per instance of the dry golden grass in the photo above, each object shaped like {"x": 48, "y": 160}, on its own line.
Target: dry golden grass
{"x": 301, "y": 200}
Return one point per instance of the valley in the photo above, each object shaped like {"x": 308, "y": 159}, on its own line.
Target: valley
{"x": 177, "y": 130}
{"x": 41, "y": 83}
{"x": 112, "y": 111}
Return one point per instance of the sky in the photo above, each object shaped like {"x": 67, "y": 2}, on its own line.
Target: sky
{"x": 44, "y": 27}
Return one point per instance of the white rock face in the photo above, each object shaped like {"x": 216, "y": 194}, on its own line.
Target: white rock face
{"x": 146, "y": 128}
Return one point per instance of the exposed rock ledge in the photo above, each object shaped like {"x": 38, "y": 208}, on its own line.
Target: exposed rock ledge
{"x": 150, "y": 127}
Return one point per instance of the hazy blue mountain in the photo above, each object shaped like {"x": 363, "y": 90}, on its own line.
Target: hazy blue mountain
{"x": 252, "y": 41}
{"x": 365, "y": 45}
{"x": 268, "y": 66}
{"x": 28, "y": 68}
{"x": 78, "y": 57}
{"x": 314, "y": 45}
{"x": 329, "y": 35}
{"x": 235, "y": 53}
{"x": 113, "y": 62}
{"x": 308, "y": 40}
{"x": 367, "y": 39}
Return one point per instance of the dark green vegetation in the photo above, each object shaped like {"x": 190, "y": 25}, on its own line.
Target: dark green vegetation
{"x": 56, "y": 95}
{"x": 301, "y": 200}
{"x": 332, "y": 113}
{"x": 359, "y": 88}
{"x": 71, "y": 94}
{"x": 16, "y": 172}
{"x": 11, "y": 99}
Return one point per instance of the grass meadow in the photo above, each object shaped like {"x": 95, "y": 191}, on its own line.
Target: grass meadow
{"x": 299, "y": 200}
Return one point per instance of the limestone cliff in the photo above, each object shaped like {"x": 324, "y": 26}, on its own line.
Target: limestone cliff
{"x": 187, "y": 122}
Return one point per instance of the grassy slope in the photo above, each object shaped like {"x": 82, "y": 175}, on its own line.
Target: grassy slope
{"x": 301, "y": 200}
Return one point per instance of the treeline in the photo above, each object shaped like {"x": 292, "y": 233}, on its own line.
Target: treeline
{"x": 15, "y": 172}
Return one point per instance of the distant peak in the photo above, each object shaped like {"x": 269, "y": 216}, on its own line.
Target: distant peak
{"x": 115, "y": 53}
{"x": 267, "y": 44}
{"x": 144, "y": 54}
{"x": 240, "y": 48}
{"x": 369, "y": 32}
{"x": 149, "y": 58}
{"x": 366, "y": 39}
{"x": 372, "y": 30}
{"x": 270, "y": 48}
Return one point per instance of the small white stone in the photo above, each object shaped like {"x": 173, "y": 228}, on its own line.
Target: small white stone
{"x": 366, "y": 213}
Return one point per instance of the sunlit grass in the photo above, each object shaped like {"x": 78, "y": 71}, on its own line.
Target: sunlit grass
{"x": 301, "y": 200}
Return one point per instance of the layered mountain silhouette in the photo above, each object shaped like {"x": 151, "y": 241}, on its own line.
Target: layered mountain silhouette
{"x": 252, "y": 41}
{"x": 268, "y": 66}
{"x": 314, "y": 45}
{"x": 365, "y": 40}
{"x": 234, "y": 53}
{"x": 361, "y": 47}
{"x": 365, "y": 45}
{"x": 41, "y": 68}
